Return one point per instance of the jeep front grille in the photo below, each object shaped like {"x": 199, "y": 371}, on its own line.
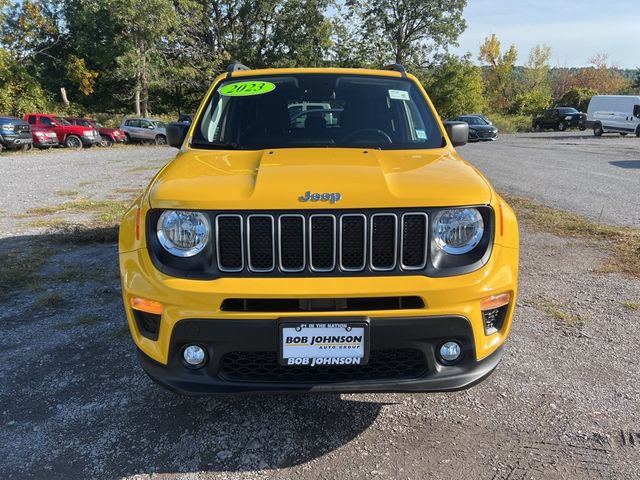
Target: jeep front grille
{"x": 321, "y": 242}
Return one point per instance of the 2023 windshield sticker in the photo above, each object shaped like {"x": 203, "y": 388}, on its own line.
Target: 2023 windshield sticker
{"x": 243, "y": 89}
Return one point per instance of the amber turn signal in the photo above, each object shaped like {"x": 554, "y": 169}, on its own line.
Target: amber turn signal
{"x": 495, "y": 301}
{"x": 144, "y": 305}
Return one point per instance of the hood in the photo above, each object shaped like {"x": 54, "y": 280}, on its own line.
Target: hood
{"x": 275, "y": 179}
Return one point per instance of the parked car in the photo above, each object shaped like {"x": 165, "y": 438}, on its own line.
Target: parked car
{"x": 561, "y": 119}
{"x": 480, "y": 128}
{"x": 144, "y": 129}
{"x": 614, "y": 113}
{"x": 71, "y": 136}
{"x": 44, "y": 138}
{"x": 15, "y": 134}
{"x": 185, "y": 118}
{"x": 108, "y": 136}
{"x": 363, "y": 256}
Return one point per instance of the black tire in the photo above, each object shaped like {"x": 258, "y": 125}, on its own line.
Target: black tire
{"x": 161, "y": 140}
{"x": 73, "y": 141}
{"x": 597, "y": 130}
{"x": 106, "y": 141}
{"x": 562, "y": 126}
{"x": 537, "y": 127}
{"x": 27, "y": 147}
{"x": 638, "y": 131}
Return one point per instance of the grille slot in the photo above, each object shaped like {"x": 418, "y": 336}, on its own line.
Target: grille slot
{"x": 384, "y": 235}
{"x": 291, "y": 242}
{"x": 264, "y": 367}
{"x": 323, "y": 242}
{"x": 260, "y": 237}
{"x": 414, "y": 241}
{"x": 347, "y": 242}
{"x": 229, "y": 240}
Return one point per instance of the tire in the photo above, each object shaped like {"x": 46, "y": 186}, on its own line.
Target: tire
{"x": 562, "y": 126}
{"x": 161, "y": 140}
{"x": 537, "y": 127}
{"x": 106, "y": 141}
{"x": 127, "y": 138}
{"x": 597, "y": 130}
{"x": 1, "y": 148}
{"x": 73, "y": 141}
{"x": 638, "y": 131}
{"x": 27, "y": 147}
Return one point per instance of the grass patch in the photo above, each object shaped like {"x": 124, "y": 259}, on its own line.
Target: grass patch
{"x": 142, "y": 169}
{"x": 50, "y": 224}
{"x": 558, "y": 312}
{"x": 52, "y": 299}
{"x": 622, "y": 243}
{"x": 81, "y": 235}
{"x": 511, "y": 123}
{"x": 631, "y": 305}
{"x": 87, "y": 183}
{"x": 106, "y": 212}
{"x": 66, "y": 193}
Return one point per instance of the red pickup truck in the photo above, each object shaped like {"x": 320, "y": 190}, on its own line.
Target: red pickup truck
{"x": 72, "y": 136}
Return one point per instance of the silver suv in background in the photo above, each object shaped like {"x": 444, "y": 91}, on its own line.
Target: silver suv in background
{"x": 144, "y": 129}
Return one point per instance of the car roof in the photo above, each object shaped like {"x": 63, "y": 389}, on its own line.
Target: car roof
{"x": 11, "y": 119}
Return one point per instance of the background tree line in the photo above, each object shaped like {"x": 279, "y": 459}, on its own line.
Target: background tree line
{"x": 159, "y": 56}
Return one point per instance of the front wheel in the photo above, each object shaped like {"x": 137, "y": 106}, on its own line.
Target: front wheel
{"x": 72, "y": 141}
{"x": 597, "y": 130}
{"x": 537, "y": 127}
{"x": 562, "y": 126}
{"x": 161, "y": 140}
{"x": 106, "y": 141}
{"x": 638, "y": 131}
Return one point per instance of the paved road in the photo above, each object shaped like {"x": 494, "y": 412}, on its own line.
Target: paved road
{"x": 595, "y": 177}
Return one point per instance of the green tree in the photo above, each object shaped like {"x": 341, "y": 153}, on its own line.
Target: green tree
{"x": 455, "y": 87}
{"x": 577, "y": 98}
{"x": 409, "y": 31}
{"x": 534, "y": 92}
{"x": 499, "y": 85}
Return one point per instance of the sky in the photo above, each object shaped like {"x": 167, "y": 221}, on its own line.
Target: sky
{"x": 574, "y": 29}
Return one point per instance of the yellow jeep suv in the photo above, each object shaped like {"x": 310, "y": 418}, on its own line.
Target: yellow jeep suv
{"x": 317, "y": 231}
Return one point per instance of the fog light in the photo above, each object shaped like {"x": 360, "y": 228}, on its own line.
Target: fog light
{"x": 194, "y": 356}
{"x": 450, "y": 352}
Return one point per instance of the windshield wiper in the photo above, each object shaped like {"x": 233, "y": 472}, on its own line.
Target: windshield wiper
{"x": 217, "y": 145}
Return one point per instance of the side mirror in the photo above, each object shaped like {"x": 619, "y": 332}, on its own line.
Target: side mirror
{"x": 458, "y": 133}
{"x": 176, "y": 133}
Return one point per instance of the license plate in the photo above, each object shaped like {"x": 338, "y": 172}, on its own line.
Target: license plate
{"x": 324, "y": 344}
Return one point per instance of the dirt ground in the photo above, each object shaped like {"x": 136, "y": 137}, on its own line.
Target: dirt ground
{"x": 563, "y": 404}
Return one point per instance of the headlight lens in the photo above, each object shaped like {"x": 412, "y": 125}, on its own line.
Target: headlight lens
{"x": 458, "y": 230}
{"x": 568, "y": 117}
{"x": 183, "y": 233}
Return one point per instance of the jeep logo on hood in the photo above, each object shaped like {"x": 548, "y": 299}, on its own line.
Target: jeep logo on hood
{"x": 320, "y": 197}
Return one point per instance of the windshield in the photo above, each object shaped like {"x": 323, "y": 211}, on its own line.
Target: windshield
{"x": 62, "y": 121}
{"x": 475, "y": 120}
{"x": 564, "y": 111}
{"x": 317, "y": 110}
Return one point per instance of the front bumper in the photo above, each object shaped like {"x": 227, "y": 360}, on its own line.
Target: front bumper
{"x": 243, "y": 359}
{"x": 16, "y": 141}
{"x": 46, "y": 143}
{"x": 90, "y": 141}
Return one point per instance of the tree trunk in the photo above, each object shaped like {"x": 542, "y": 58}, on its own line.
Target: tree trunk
{"x": 63, "y": 93}
{"x": 144, "y": 86}
{"x": 137, "y": 101}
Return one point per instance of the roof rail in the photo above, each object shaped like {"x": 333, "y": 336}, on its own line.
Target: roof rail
{"x": 235, "y": 67}
{"x": 396, "y": 67}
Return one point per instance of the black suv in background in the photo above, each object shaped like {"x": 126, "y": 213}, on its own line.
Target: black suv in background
{"x": 14, "y": 134}
{"x": 560, "y": 118}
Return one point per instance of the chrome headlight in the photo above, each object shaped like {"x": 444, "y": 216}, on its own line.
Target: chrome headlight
{"x": 183, "y": 233}
{"x": 458, "y": 230}
{"x": 568, "y": 117}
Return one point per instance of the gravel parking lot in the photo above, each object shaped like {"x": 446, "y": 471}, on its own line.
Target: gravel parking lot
{"x": 564, "y": 403}
{"x": 595, "y": 177}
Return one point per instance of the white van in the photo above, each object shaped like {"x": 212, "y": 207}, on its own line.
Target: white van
{"x": 614, "y": 113}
